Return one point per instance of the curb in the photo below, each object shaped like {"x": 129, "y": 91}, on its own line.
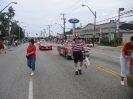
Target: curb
{"x": 119, "y": 46}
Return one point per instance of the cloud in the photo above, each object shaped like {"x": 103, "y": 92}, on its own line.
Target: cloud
{"x": 37, "y": 14}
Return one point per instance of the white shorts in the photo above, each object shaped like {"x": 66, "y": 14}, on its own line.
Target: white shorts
{"x": 124, "y": 63}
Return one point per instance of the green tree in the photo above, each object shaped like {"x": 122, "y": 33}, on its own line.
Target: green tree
{"x": 5, "y": 18}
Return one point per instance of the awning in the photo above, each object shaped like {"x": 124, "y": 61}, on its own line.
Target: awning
{"x": 127, "y": 26}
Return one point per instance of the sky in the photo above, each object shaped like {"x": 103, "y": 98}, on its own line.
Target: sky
{"x": 36, "y": 15}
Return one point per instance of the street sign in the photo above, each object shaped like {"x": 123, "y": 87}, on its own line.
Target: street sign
{"x": 73, "y": 20}
{"x": 0, "y": 32}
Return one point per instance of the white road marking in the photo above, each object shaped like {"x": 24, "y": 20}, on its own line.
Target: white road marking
{"x": 30, "y": 89}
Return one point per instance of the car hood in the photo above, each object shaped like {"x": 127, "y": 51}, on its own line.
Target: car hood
{"x": 87, "y": 48}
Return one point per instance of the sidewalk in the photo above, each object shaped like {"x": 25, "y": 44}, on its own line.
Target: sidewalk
{"x": 97, "y": 46}
{"x": 108, "y": 47}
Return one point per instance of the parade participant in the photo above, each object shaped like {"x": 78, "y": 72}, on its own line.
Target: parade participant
{"x": 77, "y": 55}
{"x": 124, "y": 58}
{"x": 31, "y": 56}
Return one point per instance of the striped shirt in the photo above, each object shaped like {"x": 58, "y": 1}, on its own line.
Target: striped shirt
{"x": 77, "y": 46}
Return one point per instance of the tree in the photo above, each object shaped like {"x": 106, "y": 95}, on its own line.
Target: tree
{"x": 69, "y": 32}
{"x": 5, "y": 19}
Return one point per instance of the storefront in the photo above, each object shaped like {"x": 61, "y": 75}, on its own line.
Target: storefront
{"x": 102, "y": 32}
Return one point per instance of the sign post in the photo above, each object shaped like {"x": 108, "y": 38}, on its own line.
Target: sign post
{"x": 73, "y": 21}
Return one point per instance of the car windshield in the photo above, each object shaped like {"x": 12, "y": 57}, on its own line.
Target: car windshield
{"x": 43, "y": 42}
{"x": 66, "y": 44}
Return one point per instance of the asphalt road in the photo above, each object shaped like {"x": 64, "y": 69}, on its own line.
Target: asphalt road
{"x": 54, "y": 77}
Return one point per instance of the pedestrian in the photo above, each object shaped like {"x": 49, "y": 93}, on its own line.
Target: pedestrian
{"x": 9, "y": 44}
{"x": 124, "y": 58}
{"x": 1, "y": 46}
{"x": 16, "y": 43}
{"x": 77, "y": 55}
{"x": 31, "y": 56}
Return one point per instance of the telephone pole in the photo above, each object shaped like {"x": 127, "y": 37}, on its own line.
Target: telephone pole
{"x": 49, "y": 31}
{"x": 64, "y": 23}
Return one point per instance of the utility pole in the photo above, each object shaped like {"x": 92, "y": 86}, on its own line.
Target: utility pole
{"x": 64, "y": 24}
{"x": 44, "y": 33}
{"x": 49, "y": 29}
{"x": 119, "y": 10}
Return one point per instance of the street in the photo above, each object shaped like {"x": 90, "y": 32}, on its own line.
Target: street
{"x": 55, "y": 79}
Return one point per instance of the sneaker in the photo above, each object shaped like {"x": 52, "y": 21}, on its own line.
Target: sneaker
{"x": 122, "y": 83}
{"x": 76, "y": 72}
{"x": 32, "y": 73}
{"x": 80, "y": 72}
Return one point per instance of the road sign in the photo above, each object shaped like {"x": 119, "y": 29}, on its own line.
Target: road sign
{"x": 73, "y": 20}
{"x": 0, "y": 32}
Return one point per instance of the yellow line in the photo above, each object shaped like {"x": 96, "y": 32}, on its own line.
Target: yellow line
{"x": 106, "y": 70}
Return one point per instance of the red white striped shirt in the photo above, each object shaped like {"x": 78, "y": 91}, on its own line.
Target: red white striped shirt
{"x": 77, "y": 46}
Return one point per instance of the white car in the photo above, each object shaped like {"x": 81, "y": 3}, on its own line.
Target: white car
{"x": 90, "y": 45}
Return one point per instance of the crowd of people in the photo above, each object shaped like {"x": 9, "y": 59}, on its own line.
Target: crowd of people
{"x": 7, "y": 44}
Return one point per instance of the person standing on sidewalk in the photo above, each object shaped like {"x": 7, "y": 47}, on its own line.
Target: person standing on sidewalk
{"x": 77, "y": 55}
{"x": 1, "y": 46}
{"x": 125, "y": 57}
{"x": 31, "y": 56}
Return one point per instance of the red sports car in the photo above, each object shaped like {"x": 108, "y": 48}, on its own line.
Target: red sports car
{"x": 45, "y": 46}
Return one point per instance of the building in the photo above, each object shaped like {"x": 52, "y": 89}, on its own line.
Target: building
{"x": 102, "y": 30}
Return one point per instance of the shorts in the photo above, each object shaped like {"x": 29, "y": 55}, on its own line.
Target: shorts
{"x": 78, "y": 56}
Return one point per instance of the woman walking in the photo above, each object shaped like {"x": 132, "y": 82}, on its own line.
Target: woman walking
{"x": 77, "y": 55}
{"x": 124, "y": 58}
{"x": 31, "y": 56}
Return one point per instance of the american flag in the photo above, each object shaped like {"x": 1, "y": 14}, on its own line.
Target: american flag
{"x": 76, "y": 35}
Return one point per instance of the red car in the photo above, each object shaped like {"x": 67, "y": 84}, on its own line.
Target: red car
{"x": 65, "y": 50}
{"x": 45, "y": 46}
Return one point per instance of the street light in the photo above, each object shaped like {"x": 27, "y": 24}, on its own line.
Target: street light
{"x": 19, "y": 29}
{"x": 94, "y": 23}
{"x": 119, "y": 10}
{"x": 8, "y": 5}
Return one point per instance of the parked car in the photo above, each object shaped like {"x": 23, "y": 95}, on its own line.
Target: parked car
{"x": 90, "y": 45}
{"x": 45, "y": 46}
{"x": 65, "y": 50}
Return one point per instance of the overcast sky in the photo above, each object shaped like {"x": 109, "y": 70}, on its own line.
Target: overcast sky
{"x": 36, "y": 15}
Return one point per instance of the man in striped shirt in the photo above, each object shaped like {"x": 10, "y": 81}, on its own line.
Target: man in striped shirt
{"x": 77, "y": 55}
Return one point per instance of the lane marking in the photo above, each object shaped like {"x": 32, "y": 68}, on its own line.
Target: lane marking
{"x": 106, "y": 70}
{"x": 30, "y": 89}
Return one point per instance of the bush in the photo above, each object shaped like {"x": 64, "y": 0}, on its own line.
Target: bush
{"x": 113, "y": 42}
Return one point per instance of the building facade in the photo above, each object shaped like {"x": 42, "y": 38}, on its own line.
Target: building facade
{"x": 102, "y": 32}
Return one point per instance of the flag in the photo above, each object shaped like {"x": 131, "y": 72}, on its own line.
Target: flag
{"x": 101, "y": 34}
{"x": 109, "y": 35}
{"x": 76, "y": 34}
{"x": 116, "y": 25}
